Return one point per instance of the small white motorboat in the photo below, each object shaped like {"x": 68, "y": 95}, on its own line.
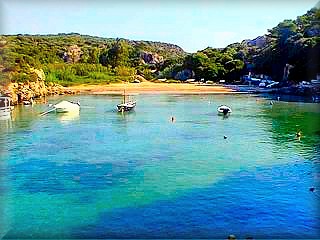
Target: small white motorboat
{"x": 63, "y": 107}
{"x": 223, "y": 109}
{"x": 66, "y": 106}
{"x": 5, "y": 108}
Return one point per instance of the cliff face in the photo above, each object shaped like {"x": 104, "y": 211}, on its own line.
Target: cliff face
{"x": 25, "y": 91}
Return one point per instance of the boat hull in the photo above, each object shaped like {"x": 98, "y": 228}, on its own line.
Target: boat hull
{"x": 66, "y": 107}
{"x": 126, "y": 107}
{"x": 67, "y": 110}
{"x": 5, "y": 108}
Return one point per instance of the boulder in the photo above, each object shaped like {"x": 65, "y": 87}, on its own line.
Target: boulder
{"x": 39, "y": 74}
{"x": 151, "y": 58}
{"x": 140, "y": 78}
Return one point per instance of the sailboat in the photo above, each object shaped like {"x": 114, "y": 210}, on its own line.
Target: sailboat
{"x": 126, "y": 106}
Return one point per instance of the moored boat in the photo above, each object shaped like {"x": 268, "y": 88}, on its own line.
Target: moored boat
{"x": 66, "y": 106}
{"x": 5, "y": 108}
{"x": 63, "y": 107}
{"x": 126, "y": 106}
{"x": 223, "y": 109}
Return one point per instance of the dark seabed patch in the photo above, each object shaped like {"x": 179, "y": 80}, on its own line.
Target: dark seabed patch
{"x": 270, "y": 202}
{"x": 37, "y": 176}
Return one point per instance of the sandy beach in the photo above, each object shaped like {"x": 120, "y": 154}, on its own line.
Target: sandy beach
{"x": 151, "y": 88}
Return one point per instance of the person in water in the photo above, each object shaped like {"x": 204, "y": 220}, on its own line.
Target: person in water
{"x": 298, "y": 134}
{"x": 172, "y": 119}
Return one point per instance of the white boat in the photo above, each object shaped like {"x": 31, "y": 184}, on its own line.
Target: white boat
{"x": 5, "y": 108}
{"x": 66, "y": 106}
{"x": 126, "y": 106}
{"x": 223, "y": 109}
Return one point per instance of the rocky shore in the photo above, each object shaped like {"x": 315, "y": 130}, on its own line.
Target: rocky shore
{"x": 31, "y": 90}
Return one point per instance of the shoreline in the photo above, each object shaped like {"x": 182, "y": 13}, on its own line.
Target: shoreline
{"x": 152, "y": 88}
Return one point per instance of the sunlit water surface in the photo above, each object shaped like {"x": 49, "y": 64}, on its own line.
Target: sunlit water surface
{"x": 102, "y": 174}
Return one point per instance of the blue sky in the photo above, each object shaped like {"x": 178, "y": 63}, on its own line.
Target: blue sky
{"x": 193, "y": 25}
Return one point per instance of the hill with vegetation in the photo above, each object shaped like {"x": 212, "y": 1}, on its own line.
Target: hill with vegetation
{"x": 73, "y": 58}
{"x": 292, "y": 46}
{"x": 70, "y": 59}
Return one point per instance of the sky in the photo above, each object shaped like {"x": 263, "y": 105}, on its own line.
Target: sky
{"x": 192, "y": 25}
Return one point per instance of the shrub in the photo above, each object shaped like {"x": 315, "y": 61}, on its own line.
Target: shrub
{"x": 20, "y": 77}
{"x": 125, "y": 71}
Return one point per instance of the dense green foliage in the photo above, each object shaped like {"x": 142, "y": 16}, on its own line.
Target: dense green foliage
{"x": 74, "y": 59}
{"x": 71, "y": 59}
{"x": 294, "y": 42}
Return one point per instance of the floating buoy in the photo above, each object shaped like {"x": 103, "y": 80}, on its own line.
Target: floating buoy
{"x": 232, "y": 237}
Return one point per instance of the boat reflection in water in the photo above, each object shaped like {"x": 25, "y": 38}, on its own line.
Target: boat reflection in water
{"x": 69, "y": 116}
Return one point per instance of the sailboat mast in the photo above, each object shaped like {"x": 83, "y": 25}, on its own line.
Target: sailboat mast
{"x": 124, "y": 96}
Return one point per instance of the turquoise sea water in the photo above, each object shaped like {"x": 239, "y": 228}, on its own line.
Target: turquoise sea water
{"x": 106, "y": 175}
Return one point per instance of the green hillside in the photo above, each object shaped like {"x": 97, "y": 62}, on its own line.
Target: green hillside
{"x": 293, "y": 42}
{"x": 73, "y": 58}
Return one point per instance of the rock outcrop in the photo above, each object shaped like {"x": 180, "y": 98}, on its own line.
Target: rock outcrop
{"x": 151, "y": 58}
{"x": 73, "y": 54}
{"x": 26, "y": 91}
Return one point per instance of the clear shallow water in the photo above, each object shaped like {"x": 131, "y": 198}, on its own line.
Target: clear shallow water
{"x": 106, "y": 175}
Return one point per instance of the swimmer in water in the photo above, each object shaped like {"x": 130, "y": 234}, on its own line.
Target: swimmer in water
{"x": 298, "y": 134}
